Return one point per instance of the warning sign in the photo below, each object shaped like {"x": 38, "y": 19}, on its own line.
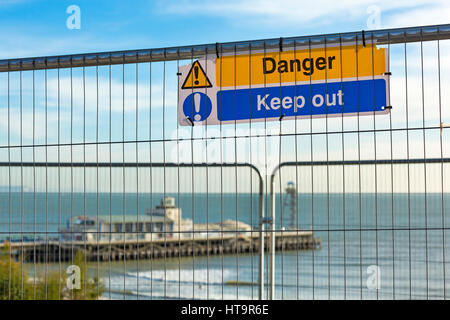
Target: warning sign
{"x": 196, "y": 78}
{"x": 296, "y": 83}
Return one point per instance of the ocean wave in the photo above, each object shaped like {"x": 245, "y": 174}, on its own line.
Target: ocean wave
{"x": 201, "y": 276}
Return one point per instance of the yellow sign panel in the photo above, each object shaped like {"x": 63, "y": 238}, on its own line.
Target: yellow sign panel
{"x": 196, "y": 78}
{"x": 301, "y": 65}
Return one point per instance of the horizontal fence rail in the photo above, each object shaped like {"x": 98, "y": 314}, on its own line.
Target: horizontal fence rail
{"x": 387, "y": 36}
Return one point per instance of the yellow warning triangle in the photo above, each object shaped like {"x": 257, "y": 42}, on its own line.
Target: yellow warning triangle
{"x": 196, "y": 78}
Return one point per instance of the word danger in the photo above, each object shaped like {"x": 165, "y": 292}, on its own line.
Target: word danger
{"x": 298, "y": 102}
{"x": 308, "y": 65}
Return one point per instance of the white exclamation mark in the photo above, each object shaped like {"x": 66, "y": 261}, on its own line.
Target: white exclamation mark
{"x": 197, "y": 101}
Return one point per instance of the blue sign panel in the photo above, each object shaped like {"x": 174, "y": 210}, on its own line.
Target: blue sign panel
{"x": 333, "y": 98}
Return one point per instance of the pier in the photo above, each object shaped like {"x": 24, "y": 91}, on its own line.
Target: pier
{"x": 62, "y": 251}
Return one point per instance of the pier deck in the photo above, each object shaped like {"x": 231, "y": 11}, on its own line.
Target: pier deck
{"x": 56, "y": 251}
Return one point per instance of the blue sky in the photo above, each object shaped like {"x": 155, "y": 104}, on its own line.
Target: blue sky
{"x": 38, "y": 27}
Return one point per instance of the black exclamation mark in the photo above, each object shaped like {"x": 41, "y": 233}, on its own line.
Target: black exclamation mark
{"x": 196, "y": 75}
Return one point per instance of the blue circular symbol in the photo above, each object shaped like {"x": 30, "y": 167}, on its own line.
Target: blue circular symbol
{"x": 197, "y": 106}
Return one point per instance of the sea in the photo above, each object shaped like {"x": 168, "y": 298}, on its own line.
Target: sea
{"x": 374, "y": 245}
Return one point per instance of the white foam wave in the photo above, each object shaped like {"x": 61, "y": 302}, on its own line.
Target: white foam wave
{"x": 192, "y": 276}
{"x": 178, "y": 284}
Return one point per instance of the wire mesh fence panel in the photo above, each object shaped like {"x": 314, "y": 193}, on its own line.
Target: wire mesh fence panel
{"x": 294, "y": 168}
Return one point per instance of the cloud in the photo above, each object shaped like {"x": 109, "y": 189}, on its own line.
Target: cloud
{"x": 5, "y": 3}
{"x": 306, "y": 13}
{"x": 84, "y": 105}
{"x": 87, "y": 94}
{"x": 437, "y": 14}
{"x": 32, "y": 126}
{"x": 119, "y": 102}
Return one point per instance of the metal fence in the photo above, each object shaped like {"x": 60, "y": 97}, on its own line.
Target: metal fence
{"x": 103, "y": 194}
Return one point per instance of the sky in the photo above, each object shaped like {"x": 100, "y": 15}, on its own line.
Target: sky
{"x": 30, "y": 28}
{"x": 38, "y": 27}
